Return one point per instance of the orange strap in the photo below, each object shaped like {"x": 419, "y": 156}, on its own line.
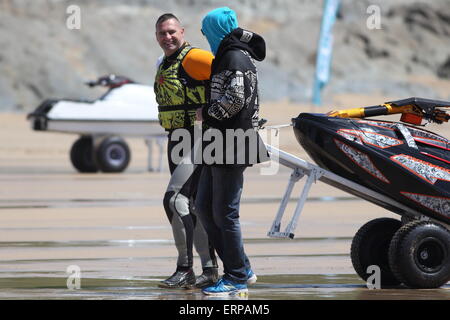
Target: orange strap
{"x": 197, "y": 64}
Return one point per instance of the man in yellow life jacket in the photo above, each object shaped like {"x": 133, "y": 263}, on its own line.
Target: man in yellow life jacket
{"x": 180, "y": 90}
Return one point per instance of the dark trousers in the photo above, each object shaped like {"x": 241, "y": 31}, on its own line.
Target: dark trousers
{"x": 217, "y": 203}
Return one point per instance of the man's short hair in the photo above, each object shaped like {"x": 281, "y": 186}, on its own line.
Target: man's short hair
{"x": 164, "y": 17}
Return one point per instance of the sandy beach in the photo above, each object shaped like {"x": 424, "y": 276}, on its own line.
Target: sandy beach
{"x": 113, "y": 226}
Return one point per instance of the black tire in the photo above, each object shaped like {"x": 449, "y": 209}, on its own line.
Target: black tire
{"x": 81, "y": 155}
{"x": 405, "y": 220}
{"x": 419, "y": 255}
{"x": 370, "y": 246}
{"x": 113, "y": 155}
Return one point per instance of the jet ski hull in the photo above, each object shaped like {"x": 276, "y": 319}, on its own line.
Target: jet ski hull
{"x": 403, "y": 162}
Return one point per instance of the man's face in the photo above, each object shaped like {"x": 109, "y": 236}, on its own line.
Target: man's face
{"x": 170, "y": 36}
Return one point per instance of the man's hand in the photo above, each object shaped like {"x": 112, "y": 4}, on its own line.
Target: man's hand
{"x": 198, "y": 114}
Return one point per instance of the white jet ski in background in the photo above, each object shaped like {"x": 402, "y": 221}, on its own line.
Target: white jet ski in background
{"x": 126, "y": 109}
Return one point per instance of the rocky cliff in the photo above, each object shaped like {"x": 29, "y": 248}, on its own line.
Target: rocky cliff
{"x": 41, "y": 55}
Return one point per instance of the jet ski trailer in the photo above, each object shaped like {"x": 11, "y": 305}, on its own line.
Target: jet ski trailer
{"x": 413, "y": 251}
{"x": 126, "y": 109}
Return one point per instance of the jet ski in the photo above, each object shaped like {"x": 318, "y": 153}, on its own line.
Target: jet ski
{"x": 127, "y": 108}
{"x": 402, "y": 163}
{"x": 399, "y": 159}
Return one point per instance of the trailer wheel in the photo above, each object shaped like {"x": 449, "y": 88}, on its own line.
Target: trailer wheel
{"x": 370, "y": 246}
{"x": 81, "y": 155}
{"x": 419, "y": 255}
{"x": 113, "y": 154}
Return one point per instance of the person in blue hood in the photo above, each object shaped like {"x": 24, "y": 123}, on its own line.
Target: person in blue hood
{"x": 232, "y": 109}
{"x": 217, "y": 24}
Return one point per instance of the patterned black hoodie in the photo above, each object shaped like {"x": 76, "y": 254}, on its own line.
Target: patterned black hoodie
{"x": 233, "y": 97}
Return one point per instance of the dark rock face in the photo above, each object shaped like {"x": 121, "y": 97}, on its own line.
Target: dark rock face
{"x": 41, "y": 57}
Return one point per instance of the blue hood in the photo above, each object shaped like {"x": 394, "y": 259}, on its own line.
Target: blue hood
{"x": 217, "y": 24}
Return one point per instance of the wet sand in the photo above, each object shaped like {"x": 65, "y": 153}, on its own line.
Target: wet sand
{"x": 113, "y": 227}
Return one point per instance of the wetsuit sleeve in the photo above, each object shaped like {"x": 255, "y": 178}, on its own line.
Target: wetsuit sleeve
{"x": 197, "y": 64}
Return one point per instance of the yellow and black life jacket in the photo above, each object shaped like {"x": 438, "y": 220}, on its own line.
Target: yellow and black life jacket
{"x": 178, "y": 95}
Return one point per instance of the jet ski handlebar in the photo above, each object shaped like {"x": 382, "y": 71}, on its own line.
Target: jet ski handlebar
{"x": 110, "y": 81}
{"x": 413, "y": 111}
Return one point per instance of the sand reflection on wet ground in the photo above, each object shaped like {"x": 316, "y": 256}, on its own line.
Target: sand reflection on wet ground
{"x": 272, "y": 287}
{"x": 123, "y": 244}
